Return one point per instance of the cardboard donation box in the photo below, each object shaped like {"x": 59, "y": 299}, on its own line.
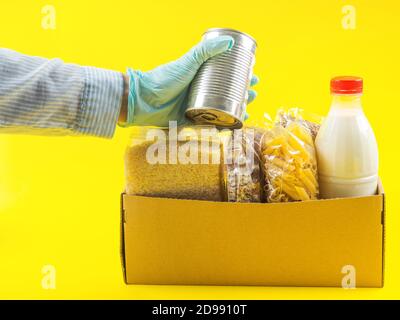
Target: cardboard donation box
{"x": 311, "y": 243}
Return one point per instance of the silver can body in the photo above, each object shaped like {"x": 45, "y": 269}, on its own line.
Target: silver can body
{"x": 218, "y": 94}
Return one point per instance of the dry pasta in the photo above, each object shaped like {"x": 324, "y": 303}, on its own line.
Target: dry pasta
{"x": 289, "y": 160}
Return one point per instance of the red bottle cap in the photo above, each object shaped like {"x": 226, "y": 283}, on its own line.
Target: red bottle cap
{"x": 347, "y": 85}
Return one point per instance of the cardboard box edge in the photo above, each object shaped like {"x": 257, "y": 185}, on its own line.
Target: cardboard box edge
{"x": 383, "y": 235}
{"x": 381, "y": 192}
{"x": 122, "y": 239}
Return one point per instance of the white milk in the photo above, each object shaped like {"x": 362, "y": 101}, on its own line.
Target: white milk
{"x": 347, "y": 151}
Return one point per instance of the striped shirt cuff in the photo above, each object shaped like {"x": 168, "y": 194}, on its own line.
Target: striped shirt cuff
{"x": 100, "y": 102}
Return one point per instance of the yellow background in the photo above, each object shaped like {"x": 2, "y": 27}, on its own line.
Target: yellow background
{"x": 59, "y": 197}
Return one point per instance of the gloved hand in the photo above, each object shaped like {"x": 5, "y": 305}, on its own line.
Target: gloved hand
{"x": 159, "y": 96}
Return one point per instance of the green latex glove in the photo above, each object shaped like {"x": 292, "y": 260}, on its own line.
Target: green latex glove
{"x": 159, "y": 96}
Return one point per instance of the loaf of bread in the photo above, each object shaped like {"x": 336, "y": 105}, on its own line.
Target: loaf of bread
{"x": 173, "y": 179}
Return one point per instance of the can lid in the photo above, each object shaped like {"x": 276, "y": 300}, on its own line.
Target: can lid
{"x": 213, "y": 116}
{"x": 346, "y": 85}
{"x": 229, "y": 30}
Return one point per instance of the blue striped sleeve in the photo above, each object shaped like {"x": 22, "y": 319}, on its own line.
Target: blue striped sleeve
{"x": 100, "y": 103}
{"x": 44, "y": 96}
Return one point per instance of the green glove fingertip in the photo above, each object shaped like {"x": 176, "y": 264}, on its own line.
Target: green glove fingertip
{"x": 211, "y": 47}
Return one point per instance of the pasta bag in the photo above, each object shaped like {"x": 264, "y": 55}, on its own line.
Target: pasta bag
{"x": 289, "y": 163}
{"x": 242, "y": 173}
{"x": 306, "y": 120}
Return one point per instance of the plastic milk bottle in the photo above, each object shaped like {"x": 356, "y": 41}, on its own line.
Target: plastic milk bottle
{"x": 346, "y": 146}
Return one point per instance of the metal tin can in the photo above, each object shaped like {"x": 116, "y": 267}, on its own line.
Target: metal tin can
{"x": 218, "y": 94}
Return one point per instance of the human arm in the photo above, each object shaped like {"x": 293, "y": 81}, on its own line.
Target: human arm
{"x": 48, "y": 96}
{"x": 51, "y": 97}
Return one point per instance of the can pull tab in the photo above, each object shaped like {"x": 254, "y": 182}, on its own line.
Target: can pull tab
{"x": 208, "y": 117}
